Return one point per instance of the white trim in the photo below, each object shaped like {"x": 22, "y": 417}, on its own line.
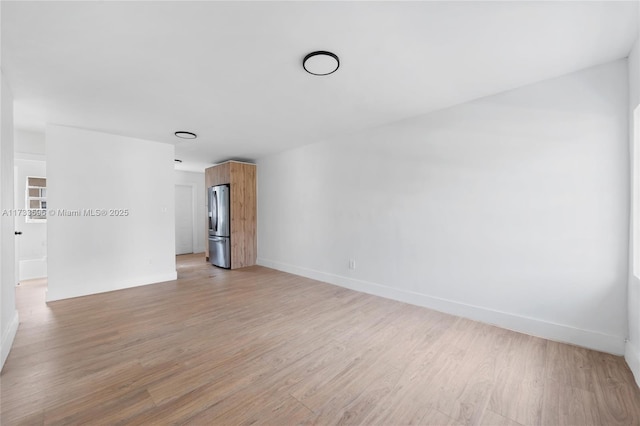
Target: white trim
{"x": 632, "y": 356}
{"x": 153, "y": 279}
{"x": 194, "y": 234}
{"x": 635, "y": 196}
{"x": 7, "y": 338}
{"x": 533, "y": 326}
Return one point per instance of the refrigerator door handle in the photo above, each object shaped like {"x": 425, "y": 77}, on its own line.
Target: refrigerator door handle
{"x": 217, "y": 214}
{"x": 210, "y": 213}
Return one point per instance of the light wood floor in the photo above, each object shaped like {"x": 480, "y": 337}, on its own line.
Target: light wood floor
{"x": 258, "y": 345}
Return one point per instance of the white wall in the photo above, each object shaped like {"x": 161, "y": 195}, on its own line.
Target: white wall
{"x": 512, "y": 209}
{"x": 196, "y": 181}
{"x": 29, "y": 144}
{"x": 92, "y": 170}
{"x": 32, "y": 244}
{"x": 9, "y": 315}
{"x": 632, "y": 352}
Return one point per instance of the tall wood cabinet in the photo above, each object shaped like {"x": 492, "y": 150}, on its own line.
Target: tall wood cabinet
{"x": 241, "y": 178}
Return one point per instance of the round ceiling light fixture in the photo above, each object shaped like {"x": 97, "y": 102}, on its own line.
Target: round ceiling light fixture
{"x": 321, "y": 63}
{"x": 185, "y": 135}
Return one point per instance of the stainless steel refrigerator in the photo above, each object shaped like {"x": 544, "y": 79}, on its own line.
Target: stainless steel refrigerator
{"x": 219, "y": 226}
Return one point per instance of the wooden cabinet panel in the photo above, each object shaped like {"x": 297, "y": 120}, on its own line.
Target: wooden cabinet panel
{"x": 241, "y": 178}
{"x": 218, "y": 175}
{"x": 243, "y": 215}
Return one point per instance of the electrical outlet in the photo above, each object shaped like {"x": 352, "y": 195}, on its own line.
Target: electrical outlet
{"x": 352, "y": 264}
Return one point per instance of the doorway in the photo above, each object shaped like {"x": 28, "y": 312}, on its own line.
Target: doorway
{"x": 185, "y": 220}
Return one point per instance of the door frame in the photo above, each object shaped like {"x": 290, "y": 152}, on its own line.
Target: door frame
{"x": 16, "y": 223}
{"x": 194, "y": 234}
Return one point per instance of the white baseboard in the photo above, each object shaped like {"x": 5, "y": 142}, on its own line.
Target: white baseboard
{"x": 7, "y": 338}
{"x": 632, "y": 356}
{"x": 532, "y": 326}
{"x": 52, "y": 296}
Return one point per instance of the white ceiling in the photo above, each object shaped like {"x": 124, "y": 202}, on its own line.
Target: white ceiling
{"x": 232, "y": 73}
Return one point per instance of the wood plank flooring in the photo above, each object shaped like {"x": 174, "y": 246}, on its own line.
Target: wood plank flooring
{"x": 261, "y": 346}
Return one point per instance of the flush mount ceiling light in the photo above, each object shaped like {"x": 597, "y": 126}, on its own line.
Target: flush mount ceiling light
{"x": 321, "y": 63}
{"x": 185, "y": 135}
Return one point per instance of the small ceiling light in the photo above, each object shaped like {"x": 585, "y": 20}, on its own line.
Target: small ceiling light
{"x": 185, "y": 135}
{"x": 177, "y": 161}
{"x": 321, "y": 63}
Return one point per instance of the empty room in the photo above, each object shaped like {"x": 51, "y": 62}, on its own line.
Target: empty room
{"x": 320, "y": 212}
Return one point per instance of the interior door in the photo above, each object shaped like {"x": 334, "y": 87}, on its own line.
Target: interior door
{"x": 184, "y": 219}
